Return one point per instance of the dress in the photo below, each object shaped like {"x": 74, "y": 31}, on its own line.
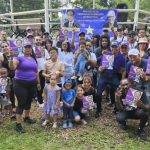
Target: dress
{"x": 51, "y": 99}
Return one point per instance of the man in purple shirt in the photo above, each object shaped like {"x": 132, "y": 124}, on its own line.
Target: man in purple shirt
{"x": 110, "y": 77}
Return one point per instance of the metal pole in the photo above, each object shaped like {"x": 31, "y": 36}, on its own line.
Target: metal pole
{"x": 46, "y": 16}
{"x": 50, "y": 7}
{"x": 93, "y": 4}
{"x": 11, "y": 11}
{"x": 136, "y": 15}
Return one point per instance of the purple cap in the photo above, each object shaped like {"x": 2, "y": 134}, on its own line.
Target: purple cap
{"x": 114, "y": 43}
{"x": 124, "y": 43}
{"x": 28, "y": 28}
{"x": 29, "y": 34}
{"x": 27, "y": 43}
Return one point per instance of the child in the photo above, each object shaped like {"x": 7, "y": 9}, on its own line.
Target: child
{"x": 5, "y": 91}
{"x": 90, "y": 92}
{"x": 68, "y": 98}
{"x": 81, "y": 58}
{"x": 80, "y": 105}
{"x": 52, "y": 100}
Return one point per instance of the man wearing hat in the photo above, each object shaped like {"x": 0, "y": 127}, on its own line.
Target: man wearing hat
{"x": 110, "y": 77}
{"x": 132, "y": 40}
{"x": 30, "y": 37}
{"x": 124, "y": 49}
{"x": 136, "y": 60}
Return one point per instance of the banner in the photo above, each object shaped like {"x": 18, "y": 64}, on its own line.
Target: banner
{"x": 90, "y": 21}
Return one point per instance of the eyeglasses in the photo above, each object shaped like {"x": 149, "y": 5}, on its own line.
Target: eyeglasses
{"x": 89, "y": 45}
{"x": 28, "y": 46}
{"x": 125, "y": 84}
{"x": 4, "y": 46}
{"x": 124, "y": 47}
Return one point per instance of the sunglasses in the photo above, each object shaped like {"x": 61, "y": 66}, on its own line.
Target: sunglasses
{"x": 4, "y": 46}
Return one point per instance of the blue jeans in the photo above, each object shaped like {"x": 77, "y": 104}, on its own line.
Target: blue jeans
{"x": 67, "y": 113}
{"x": 104, "y": 81}
{"x": 80, "y": 65}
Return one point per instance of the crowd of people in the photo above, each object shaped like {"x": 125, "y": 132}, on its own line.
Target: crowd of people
{"x": 62, "y": 74}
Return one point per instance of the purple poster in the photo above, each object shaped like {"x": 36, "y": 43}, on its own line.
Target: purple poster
{"x": 148, "y": 66}
{"x": 134, "y": 73}
{"x": 132, "y": 97}
{"x": 107, "y": 61}
{"x": 14, "y": 48}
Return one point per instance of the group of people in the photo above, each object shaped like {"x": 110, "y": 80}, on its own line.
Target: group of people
{"x": 77, "y": 75}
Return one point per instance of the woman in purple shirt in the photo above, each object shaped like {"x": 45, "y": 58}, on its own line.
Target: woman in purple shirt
{"x": 24, "y": 84}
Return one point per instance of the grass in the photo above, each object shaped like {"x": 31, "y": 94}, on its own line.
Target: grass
{"x": 101, "y": 134}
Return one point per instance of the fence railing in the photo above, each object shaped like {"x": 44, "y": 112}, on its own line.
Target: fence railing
{"x": 6, "y": 15}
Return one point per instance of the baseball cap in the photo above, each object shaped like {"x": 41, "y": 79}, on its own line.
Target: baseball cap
{"x": 143, "y": 40}
{"x": 29, "y": 34}
{"x": 68, "y": 81}
{"x": 114, "y": 43}
{"x": 82, "y": 33}
{"x": 134, "y": 52}
{"x": 46, "y": 33}
{"x": 132, "y": 33}
{"x": 124, "y": 43}
{"x": 27, "y": 43}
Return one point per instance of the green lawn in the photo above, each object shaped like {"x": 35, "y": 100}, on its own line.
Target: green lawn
{"x": 101, "y": 134}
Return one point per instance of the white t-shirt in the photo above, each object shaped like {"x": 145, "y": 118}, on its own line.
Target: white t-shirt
{"x": 41, "y": 61}
{"x": 68, "y": 61}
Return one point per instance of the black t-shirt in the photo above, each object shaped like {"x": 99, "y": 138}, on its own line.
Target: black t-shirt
{"x": 78, "y": 105}
{"x": 92, "y": 92}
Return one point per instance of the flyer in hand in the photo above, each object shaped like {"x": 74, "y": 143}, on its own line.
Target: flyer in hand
{"x": 132, "y": 97}
{"x": 107, "y": 61}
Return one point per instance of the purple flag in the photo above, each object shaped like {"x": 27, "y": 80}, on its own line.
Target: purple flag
{"x": 148, "y": 66}
{"x": 13, "y": 47}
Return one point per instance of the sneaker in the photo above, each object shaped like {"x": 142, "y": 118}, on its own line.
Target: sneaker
{"x": 97, "y": 114}
{"x": 65, "y": 125}
{"x": 73, "y": 77}
{"x": 142, "y": 135}
{"x": 110, "y": 104}
{"x": 80, "y": 78}
{"x": 19, "y": 128}
{"x": 41, "y": 105}
{"x": 122, "y": 126}
{"x": 13, "y": 117}
{"x": 29, "y": 120}
{"x": 54, "y": 125}
{"x": 70, "y": 125}
{"x": 45, "y": 123}
{"x": 83, "y": 121}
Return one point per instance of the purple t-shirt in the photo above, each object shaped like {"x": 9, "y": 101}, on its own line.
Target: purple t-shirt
{"x": 26, "y": 69}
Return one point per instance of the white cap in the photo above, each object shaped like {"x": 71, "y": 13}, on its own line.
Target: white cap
{"x": 134, "y": 52}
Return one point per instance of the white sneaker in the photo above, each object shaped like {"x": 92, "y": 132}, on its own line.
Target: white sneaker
{"x": 54, "y": 125}
{"x": 83, "y": 121}
{"x": 73, "y": 77}
{"x": 45, "y": 123}
{"x": 80, "y": 78}
{"x": 41, "y": 105}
